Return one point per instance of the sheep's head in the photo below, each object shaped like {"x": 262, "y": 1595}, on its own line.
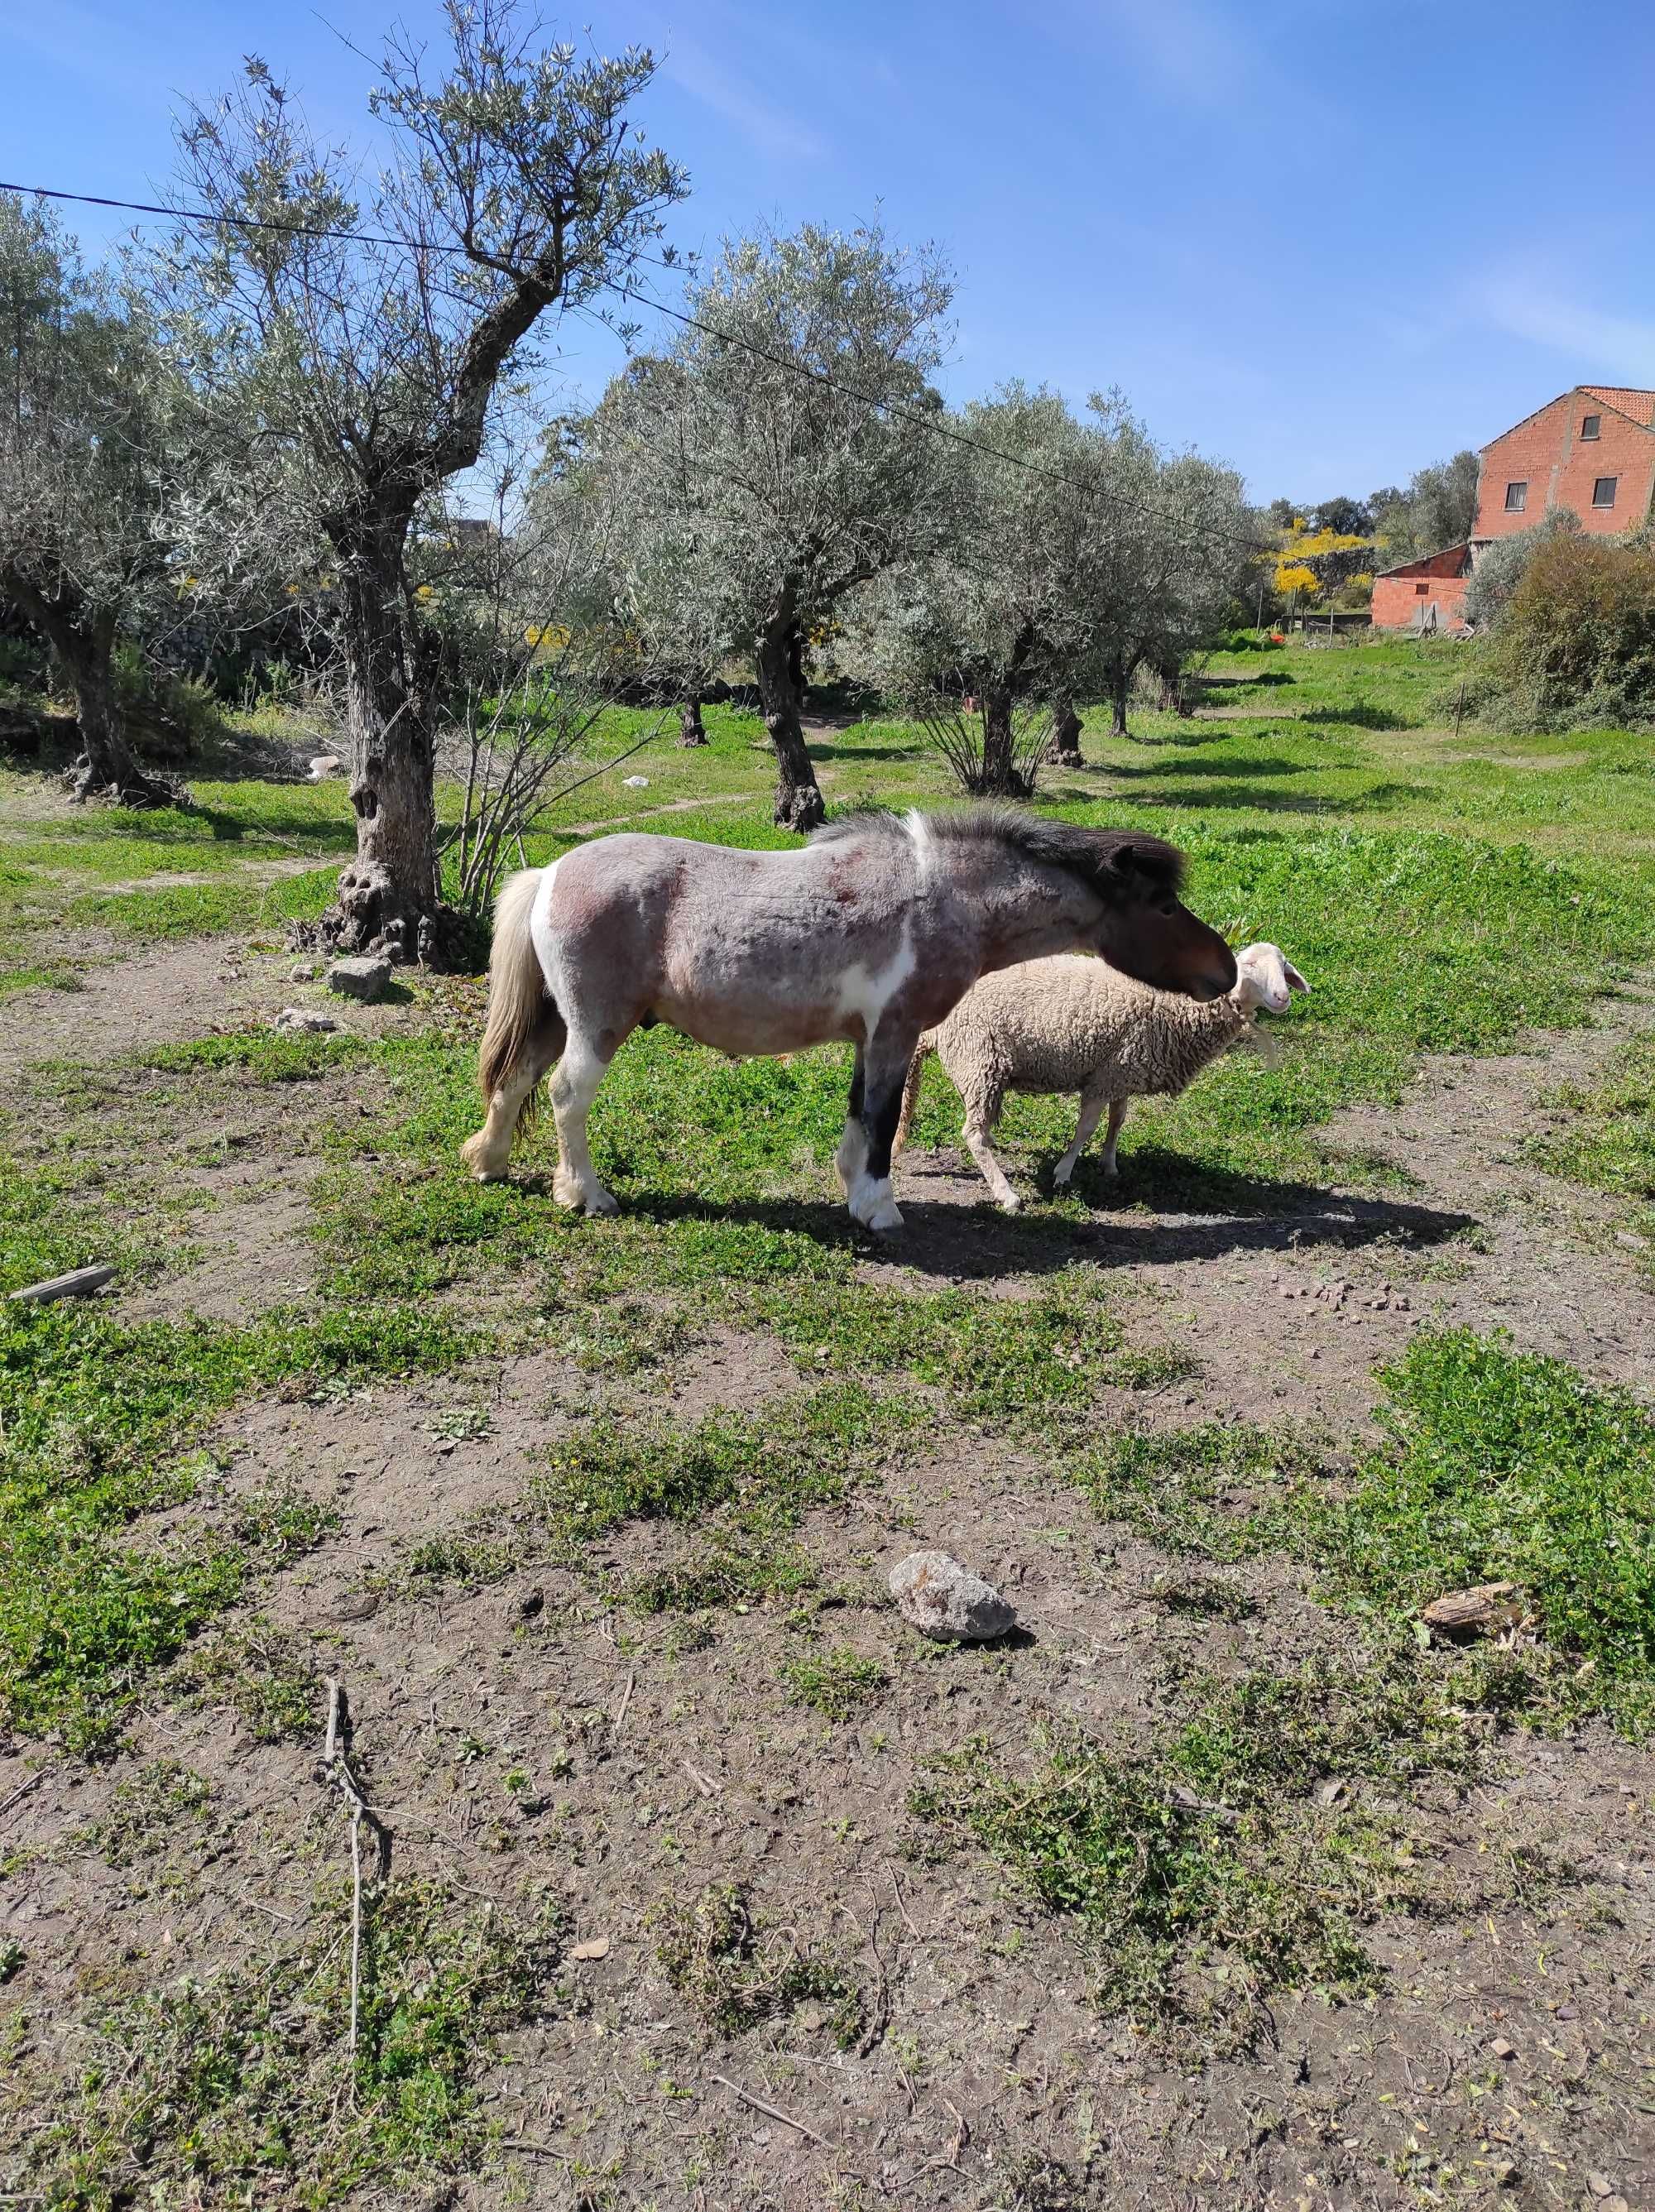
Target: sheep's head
{"x": 1265, "y": 978}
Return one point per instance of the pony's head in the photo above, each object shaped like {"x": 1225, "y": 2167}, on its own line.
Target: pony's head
{"x": 1146, "y": 929}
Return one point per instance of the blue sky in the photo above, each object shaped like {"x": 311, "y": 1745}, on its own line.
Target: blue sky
{"x": 1326, "y": 242}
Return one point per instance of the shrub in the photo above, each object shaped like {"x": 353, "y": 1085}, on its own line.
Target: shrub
{"x": 1502, "y": 566}
{"x": 1576, "y": 643}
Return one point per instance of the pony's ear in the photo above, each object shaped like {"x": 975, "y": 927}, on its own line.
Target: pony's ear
{"x": 1295, "y": 981}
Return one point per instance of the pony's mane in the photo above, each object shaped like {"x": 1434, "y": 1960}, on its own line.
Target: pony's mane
{"x": 1091, "y": 854}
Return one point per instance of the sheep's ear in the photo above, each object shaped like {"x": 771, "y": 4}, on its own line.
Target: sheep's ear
{"x": 1295, "y": 981}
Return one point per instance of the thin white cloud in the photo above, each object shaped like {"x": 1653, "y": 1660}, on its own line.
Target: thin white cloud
{"x": 705, "y": 77}
{"x": 1201, "y": 59}
{"x": 1605, "y": 346}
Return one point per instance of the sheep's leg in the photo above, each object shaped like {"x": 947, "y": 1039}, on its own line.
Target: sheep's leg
{"x": 876, "y": 1107}
{"x": 982, "y": 1118}
{"x": 1091, "y": 1111}
{"x": 1116, "y": 1116}
{"x": 574, "y": 1087}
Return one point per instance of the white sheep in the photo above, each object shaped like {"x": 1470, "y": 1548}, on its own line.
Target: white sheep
{"x": 1071, "y": 1023}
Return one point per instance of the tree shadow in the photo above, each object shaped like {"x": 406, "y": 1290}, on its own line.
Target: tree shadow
{"x": 1360, "y": 717}
{"x": 1231, "y": 767}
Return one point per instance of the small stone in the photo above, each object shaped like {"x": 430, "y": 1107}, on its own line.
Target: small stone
{"x": 635, "y": 782}
{"x": 292, "y": 1019}
{"x": 323, "y": 765}
{"x": 1600, "y": 2185}
{"x": 1501, "y": 2049}
{"x": 303, "y": 971}
{"x": 366, "y": 978}
{"x": 942, "y": 1599}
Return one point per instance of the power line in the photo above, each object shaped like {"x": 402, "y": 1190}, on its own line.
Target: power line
{"x": 934, "y": 424}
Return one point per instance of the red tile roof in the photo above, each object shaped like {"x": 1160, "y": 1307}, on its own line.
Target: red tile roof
{"x": 1640, "y": 405}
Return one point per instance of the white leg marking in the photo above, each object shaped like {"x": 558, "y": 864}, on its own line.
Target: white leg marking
{"x": 872, "y": 1204}
{"x": 575, "y": 1183}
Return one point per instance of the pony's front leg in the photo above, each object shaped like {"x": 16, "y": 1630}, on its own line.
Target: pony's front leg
{"x": 865, "y": 1154}
{"x": 580, "y": 1072}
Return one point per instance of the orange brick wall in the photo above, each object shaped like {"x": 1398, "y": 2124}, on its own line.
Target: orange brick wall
{"x": 1398, "y": 601}
{"x": 1560, "y": 467}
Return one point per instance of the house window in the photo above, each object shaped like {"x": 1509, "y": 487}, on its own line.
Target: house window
{"x": 1517, "y": 497}
{"x": 1420, "y": 590}
{"x": 1591, "y": 425}
{"x": 1603, "y": 491}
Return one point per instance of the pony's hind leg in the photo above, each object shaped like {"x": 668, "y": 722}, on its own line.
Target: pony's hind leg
{"x": 574, "y": 1087}
{"x": 488, "y": 1152}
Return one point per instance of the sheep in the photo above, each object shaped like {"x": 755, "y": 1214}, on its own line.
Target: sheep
{"x": 1071, "y": 1023}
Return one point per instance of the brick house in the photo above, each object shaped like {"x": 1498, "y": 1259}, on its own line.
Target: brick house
{"x": 1591, "y": 449}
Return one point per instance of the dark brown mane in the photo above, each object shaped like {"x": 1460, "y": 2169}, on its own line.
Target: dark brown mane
{"x": 1093, "y": 855}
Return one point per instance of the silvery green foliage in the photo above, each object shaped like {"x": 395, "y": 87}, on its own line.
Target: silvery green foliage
{"x": 1502, "y": 567}
{"x": 1078, "y": 550}
{"x": 92, "y": 440}
{"x": 776, "y": 458}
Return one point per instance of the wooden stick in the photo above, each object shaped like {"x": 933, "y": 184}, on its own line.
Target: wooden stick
{"x": 626, "y": 1701}
{"x": 699, "y": 1779}
{"x": 771, "y": 2112}
{"x": 339, "y": 1767}
{"x": 23, "y": 1788}
{"x": 80, "y": 1283}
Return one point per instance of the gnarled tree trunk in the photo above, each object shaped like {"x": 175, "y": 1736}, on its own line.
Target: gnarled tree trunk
{"x": 1120, "y": 683}
{"x": 82, "y": 640}
{"x": 693, "y": 731}
{"x": 778, "y": 657}
{"x": 389, "y": 896}
{"x": 1000, "y": 776}
{"x": 1065, "y": 747}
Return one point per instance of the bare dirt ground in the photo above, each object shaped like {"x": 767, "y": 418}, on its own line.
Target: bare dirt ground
{"x": 1509, "y": 2061}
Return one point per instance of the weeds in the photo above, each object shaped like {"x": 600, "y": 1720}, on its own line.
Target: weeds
{"x": 836, "y": 1683}
{"x": 239, "y": 2085}
{"x": 735, "y": 1973}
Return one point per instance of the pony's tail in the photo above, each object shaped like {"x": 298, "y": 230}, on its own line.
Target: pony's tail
{"x": 520, "y": 1011}
{"x": 910, "y": 1090}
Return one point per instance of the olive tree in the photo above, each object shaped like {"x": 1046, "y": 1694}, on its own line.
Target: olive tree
{"x": 89, "y": 427}
{"x": 779, "y": 456}
{"x": 994, "y": 616}
{"x": 369, "y": 328}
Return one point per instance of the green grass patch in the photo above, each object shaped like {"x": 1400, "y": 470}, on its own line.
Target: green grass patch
{"x": 98, "y": 1418}
{"x": 837, "y": 1684}
{"x": 1608, "y": 1141}
{"x": 1204, "y": 1872}
{"x": 239, "y": 2087}
{"x": 1506, "y": 1467}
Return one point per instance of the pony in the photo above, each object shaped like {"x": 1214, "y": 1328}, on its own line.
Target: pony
{"x": 869, "y": 934}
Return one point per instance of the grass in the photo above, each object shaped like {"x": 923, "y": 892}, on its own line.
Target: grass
{"x": 736, "y": 1974}
{"x": 237, "y": 2087}
{"x": 837, "y": 1684}
{"x": 1608, "y": 1140}
{"x": 1498, "y": 1466}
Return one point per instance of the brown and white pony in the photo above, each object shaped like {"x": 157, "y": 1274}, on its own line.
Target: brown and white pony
{"x": 868, "y": 935}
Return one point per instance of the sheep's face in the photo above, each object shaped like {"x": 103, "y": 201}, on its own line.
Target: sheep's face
{"x": 1265, "y": 980}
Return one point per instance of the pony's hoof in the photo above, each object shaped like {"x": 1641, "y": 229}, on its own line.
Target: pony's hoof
{"x": 1011, "y": 1203}
{"x": 482, "y": 1164}
{"x": 602, "y": 1202}
{"x": 884, "y": 1219}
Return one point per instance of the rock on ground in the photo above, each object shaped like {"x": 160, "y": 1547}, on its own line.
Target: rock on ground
{"x": 323, "y": 765}
{"x": 303, "y": 1018}
{"x": 940, "y": 1598}
{"x": 368, "y": 977}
